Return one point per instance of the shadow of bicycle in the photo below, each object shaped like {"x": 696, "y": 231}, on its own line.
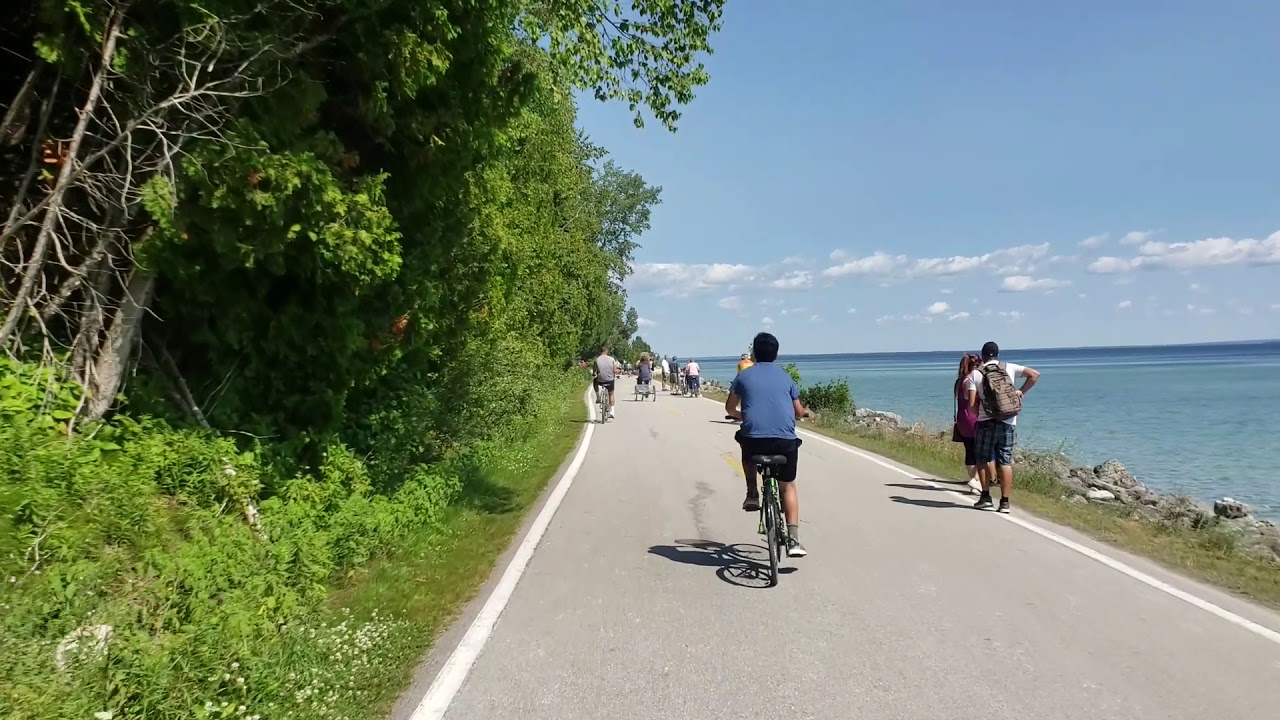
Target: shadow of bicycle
{"x": 740, "y": 564}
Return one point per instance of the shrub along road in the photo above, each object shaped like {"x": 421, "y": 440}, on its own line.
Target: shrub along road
{"x": 643, "y": 601}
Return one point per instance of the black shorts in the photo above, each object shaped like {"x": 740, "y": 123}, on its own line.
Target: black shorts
{"x": 970, "y": 452}
{"x": 788, "y": 447}
{"x": 602, "y": 383}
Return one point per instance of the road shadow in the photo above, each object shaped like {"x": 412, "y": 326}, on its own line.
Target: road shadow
{"x": 741, "y": 564}
{"x": 929, "y": 503}
{"x": 911, "y": 486}
{"x": 723, "y": 422}
{"x": 940, "y": 481}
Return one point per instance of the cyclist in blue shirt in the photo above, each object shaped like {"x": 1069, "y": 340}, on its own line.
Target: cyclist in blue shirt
{"x": 767, "y": 401}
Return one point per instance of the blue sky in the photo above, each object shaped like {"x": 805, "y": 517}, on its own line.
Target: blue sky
{"x": 930, "y": 174}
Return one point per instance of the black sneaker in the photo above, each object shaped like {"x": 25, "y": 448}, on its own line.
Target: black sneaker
{"x": 752, "y": 503}
{"x": 984, "y": 501}
{"x": 1004, "y": 505}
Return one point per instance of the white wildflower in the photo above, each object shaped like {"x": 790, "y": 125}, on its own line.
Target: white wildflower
{"x": 103, "y": 715}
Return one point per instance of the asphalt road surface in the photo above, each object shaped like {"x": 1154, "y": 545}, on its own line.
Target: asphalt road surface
{"x": 646, "y": 599}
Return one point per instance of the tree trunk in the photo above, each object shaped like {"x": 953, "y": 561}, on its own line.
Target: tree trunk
{"x": 107, "y": 372}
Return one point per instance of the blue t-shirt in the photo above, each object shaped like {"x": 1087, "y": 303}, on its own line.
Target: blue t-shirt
{"x": 768, "y": 401}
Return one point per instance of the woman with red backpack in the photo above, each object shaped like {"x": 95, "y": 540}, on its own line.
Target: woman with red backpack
{"x": 966, "y": 419}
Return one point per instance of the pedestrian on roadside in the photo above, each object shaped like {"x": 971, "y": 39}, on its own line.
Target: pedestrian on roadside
{"x": 992, "y": 390}
{"x": 966, "y": 417}
{"x": 666, "y": 371}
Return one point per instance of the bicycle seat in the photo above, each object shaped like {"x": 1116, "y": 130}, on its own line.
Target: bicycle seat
{"x": 768, "y": 460}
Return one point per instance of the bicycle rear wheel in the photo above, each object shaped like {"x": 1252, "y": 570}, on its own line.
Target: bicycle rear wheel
{"x": 772, "y": 534}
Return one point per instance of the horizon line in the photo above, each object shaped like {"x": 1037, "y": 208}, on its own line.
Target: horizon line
{"x": 1258, "y": 341}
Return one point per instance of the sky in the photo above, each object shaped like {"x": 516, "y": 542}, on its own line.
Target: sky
{"x": 907, "y": 175}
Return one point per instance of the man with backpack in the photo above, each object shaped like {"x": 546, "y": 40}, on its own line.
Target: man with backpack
{"x": 993, "y": 392}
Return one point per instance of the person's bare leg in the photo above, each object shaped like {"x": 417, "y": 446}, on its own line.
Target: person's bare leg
{"x": 790, "y": 502}
{"x": 987, "y": 475}
{"x": 1006, "y": 480}
{"x": 749, "y": 472}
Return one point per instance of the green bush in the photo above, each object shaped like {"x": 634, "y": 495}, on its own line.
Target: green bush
{"x": 832, "y": 397}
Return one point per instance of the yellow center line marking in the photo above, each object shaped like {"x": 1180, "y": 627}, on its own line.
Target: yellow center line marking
{"x": 734, "y": 461}
{"x": 675, "y": 414}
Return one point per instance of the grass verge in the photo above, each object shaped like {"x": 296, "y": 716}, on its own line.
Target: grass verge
{"x": 434, "y": 573}
{"x": 1205, "y": 554}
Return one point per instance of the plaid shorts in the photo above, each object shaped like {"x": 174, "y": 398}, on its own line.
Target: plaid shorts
{"x": 994, "y": 440}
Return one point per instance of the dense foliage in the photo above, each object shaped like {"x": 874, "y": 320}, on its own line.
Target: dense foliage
{"x": 277, "y": 279}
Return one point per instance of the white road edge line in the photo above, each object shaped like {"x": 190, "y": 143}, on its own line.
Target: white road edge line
{"x": 449, "y": 680}
{"x": 1234, "y": 619}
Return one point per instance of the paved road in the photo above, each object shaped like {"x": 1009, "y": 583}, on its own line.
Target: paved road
{"x": 640, "y": 602}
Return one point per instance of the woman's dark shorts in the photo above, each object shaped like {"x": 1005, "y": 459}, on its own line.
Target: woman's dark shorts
{"x": 788, "y": 447}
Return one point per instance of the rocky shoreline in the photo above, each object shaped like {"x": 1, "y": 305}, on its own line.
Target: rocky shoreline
{"x": 1112, "y": 486}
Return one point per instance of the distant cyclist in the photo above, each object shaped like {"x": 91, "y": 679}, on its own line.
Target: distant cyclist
{"x": 770, "y": 404}
{"x": 666, "y": 370}
{"x": 745, "y": 362}
{"x": 606, "y": 373}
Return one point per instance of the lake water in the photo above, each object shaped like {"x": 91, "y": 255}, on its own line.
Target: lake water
{"x": 1193, "y": 419}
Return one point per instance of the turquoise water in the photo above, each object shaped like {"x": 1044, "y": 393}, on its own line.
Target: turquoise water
{"x": 1194, "y": 419}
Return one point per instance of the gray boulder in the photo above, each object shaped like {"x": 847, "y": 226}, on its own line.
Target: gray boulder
{"x": 1099, "y": 495}
{"x": 1182, "y": 511}
{"x": 1114, "y": 473}
{"x": 1231, "y": 509}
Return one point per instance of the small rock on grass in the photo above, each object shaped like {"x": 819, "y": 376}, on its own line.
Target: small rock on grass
{"x": 1099, "y": 495}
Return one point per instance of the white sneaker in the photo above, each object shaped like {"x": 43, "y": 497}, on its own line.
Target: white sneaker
{"x": 613, "y": 413}
{"x": 975, "y": 486}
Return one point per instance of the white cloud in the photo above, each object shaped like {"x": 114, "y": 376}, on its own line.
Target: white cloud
{"x": 903, "y": 318}
{"x": 766, "y": 321}
{"x": 1022, "y": 283}
{"x": 1012, "y": 315}
{"x": 1094, "y": 241}
{"x": 646, "y": 322}
{"x": 1124, "y": 304}
{"x": 1199, "y": 310}
{"x": 1021, "y": 259}
{"x": 799, "y": 280}
{"x": 947, "y": 291}
{"x": 794, "y": 260}
{"x": 853, "y": 311}
{"x": 1209, "y": 252}
{"x": 962, "y": 315}
{"x": 733, "y": 303}
{"x": 938, "y": 308}
{"x": 1196, "y": 288}
{"x": 1136, "y": 237}
{"x": 1083, "y": 295}
{"x": 815, "y": 318}
{"x": 679, "y": 279}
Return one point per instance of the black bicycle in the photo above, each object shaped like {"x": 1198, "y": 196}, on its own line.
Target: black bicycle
{"x": 772, "y": 524}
